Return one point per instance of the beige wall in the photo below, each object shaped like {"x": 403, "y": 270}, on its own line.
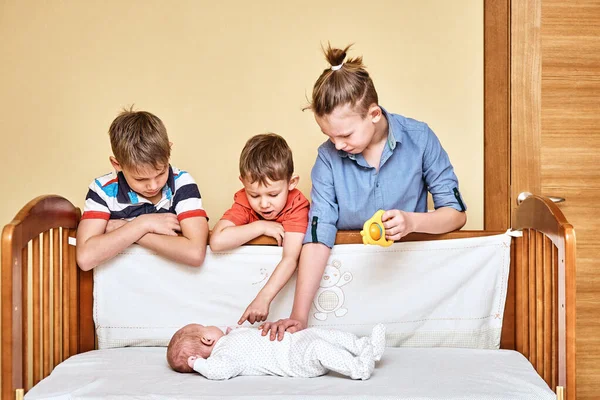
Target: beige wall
{"x": 217, "y": 74}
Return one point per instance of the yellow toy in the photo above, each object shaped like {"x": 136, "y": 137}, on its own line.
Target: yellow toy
{"x": 373, "y": 231}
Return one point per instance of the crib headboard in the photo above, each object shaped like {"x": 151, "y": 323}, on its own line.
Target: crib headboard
{"x": 47, "y": 302}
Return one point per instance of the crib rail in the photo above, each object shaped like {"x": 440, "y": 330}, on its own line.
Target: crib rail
{"x": 39, "y": 311}
{"x": 545, "y": 289}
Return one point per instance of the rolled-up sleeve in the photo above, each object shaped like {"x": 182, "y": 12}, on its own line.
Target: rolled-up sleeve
{"x": 323, "y": 215}
{"x": 439, "y": 175}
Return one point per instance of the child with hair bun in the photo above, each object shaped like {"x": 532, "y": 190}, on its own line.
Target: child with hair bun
{"x": 372, "y": 159}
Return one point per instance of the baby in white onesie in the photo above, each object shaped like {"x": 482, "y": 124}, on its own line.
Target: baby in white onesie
{"x": 244, "y": 351}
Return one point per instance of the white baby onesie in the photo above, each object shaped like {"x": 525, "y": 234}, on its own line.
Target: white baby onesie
{"x": 307, "y": 353}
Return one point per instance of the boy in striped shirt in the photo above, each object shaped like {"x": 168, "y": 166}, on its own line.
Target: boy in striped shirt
{"x": 144, "y": 201}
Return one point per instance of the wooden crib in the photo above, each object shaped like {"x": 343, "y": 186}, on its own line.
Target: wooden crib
{"x": 47, "y": 301}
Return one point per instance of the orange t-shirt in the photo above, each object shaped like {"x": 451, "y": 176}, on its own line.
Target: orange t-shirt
{"x": 293, "y": 217}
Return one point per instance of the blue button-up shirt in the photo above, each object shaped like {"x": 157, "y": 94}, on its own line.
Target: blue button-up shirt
{"x": 347, "y": 191}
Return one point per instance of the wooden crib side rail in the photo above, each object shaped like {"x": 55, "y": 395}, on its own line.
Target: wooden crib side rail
{"x": 354, "y": 237}
{"x": 39, "y": 292}
{"x": 545, "y": 291}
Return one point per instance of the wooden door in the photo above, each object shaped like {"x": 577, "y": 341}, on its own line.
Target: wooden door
{"x": 570, "y": 154}
{"x": 555, "y": 141}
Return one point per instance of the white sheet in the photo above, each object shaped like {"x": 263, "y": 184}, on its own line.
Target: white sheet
{"x": 403, "y": 373}
{"x": 448, "y": 293}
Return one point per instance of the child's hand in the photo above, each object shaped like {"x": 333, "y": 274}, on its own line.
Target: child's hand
{"x": 279, "y": 328}
{"x": 161, "y": 224}
{"x": 273, "y": 229}
{"x": 114, "y": 224}
{"x": 397, "y": 224}
{"x": 257, "y": 311}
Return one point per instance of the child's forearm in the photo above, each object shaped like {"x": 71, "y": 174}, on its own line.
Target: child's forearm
{"x": 234, "y": 236}
{"x": 189, "y": 249}
{"x": 101, "y": 247}
{"x": 281, "y": 275}
{"x": 313, "y": 260}
{"x": 177, "y": 248}
{"x": 442, "y": 220}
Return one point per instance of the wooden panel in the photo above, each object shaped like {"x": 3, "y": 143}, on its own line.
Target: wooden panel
{"x": 548, "y": 308}
{"x": 25, "y": 307}
{"x": 73, "y": 299}
{"x": 532, "y": 299}
{"x": 56, "y": 338}
{"x": 539, "y": 303}
{"x": 35, "y": 321}
{"x": 86, "y": 306}
{"x": 509, "y": 327}
{"x": 554, "y": 318}
{"x": 525, "y": 94}
{"x": 46, "y": 304}
{"x": 522, "y": 286}
{"x": 65, "y": 295}
{"x": 496, "y": 115}
{"x": 570, "y": 148}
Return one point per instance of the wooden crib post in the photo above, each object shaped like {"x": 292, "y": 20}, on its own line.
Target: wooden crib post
{"x": 12, "y": 324}
{"x": 552, "y": 314}
{"x": 39, "y": 217}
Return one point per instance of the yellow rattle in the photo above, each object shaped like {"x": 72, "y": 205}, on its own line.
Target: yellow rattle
{"x": 373, "y": 231}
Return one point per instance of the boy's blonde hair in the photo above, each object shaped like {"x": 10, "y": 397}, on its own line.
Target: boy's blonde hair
{"x": 186, "y": 342}
{"x": 347, "y": 83}
{"x": 266, "y": 157}
{"x": 139, "y": 138}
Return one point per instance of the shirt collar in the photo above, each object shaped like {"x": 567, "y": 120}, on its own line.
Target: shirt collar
{"x": 394, "y": 133}
{"x": 392, "y": 139}
{"x": 126, "y": 195}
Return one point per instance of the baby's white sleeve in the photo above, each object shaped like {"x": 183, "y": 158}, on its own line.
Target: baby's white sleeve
{"x": 218, "y": 368}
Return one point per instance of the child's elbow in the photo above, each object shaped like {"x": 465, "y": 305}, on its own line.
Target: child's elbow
{"x": 84, "y": 262}
{"x": 461, "y": 220}
{"x": 196, "y": 257}
{"x": 216, "y": 244}
{"x": 215, "y": 247}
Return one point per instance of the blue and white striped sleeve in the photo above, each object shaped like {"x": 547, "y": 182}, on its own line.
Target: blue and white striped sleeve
{"x": 187, "y": 201}
{"x": 96, "y": 203}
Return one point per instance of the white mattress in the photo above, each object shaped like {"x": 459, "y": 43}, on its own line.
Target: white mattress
{"x": 403, "y": 373}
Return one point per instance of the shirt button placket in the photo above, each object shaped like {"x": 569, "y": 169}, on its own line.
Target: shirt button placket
{"x": 378, "y": 199}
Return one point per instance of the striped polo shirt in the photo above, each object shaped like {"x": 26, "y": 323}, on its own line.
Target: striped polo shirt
{"x": 110, "y": 197}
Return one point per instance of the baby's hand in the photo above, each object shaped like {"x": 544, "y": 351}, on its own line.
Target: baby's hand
{"x": 257, "y": 311}
{"x": 114, "y": 224}
{"x": 397, "y": 224}
{"x": 191, "y": 360}
{"x": 273, "y": 229}
{"x": 161, "y": 224}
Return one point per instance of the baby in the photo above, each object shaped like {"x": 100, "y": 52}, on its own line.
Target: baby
{"x": 218, "y": 354}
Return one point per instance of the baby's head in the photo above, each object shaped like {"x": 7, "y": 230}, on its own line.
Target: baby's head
{"x": 191, "y": 340}
{"x": 266, "y": 171}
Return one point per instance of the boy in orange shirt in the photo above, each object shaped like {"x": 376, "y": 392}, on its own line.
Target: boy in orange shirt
{"x": 269, "y": 204}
